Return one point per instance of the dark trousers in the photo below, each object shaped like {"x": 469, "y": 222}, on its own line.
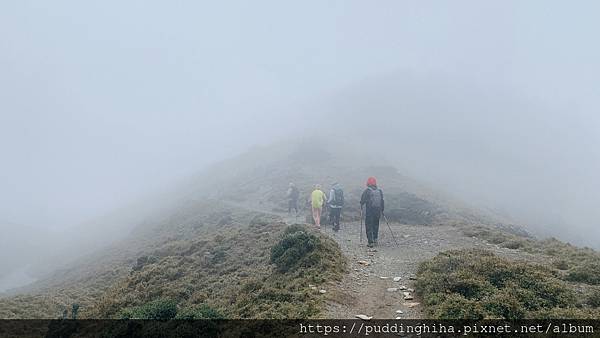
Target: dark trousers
{"x": 292, "y": 204}
{"x": 372, "y": 225}
{"x": 334, "y": 217}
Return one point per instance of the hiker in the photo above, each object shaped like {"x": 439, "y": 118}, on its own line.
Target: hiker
{"x": 336, "y": 202}
{"x": 317, "y": 198}
{"x": 292, "y": 195}
{"x": 372, "y": 197}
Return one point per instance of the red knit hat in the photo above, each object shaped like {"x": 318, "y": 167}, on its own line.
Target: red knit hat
{"x": 371, "y": 181}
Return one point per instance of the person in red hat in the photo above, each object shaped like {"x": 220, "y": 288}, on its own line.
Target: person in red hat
{"x": 372, "y": 199}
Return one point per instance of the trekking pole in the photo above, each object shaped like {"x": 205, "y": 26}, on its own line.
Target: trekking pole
{"x": 361, "y": 221}
{"x": 390, "y": 228}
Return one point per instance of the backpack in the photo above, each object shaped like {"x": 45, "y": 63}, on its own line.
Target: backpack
{"x": 293, "y": 193}
{"x": 338, "y": 197}
{"x": 375, "y": 200}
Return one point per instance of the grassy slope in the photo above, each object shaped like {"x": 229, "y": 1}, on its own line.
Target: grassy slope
{"x": 564, "y": 283}
{"x": 229, "y": 270}
{"x": 207, "y": 253}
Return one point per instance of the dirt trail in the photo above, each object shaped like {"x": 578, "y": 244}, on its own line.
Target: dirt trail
{"x": 368, "y": 289}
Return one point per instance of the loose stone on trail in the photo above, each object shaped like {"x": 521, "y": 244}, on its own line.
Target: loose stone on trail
{"x": 364, "y": 317}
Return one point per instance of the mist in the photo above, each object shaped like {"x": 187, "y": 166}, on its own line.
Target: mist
{"x": 102, "y": 105}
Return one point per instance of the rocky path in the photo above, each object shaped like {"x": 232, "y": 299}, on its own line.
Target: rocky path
{"x": 372, "y": 287}
{"x": 380, "y": 282}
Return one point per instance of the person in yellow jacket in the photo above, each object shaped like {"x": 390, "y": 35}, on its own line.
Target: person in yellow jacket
{"x": 317, "y": 198}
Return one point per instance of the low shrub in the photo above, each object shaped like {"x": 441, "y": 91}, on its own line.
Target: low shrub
{"x": 588, "y": 272}
{"x": 476, "y": 284}
{"x": 593, "y": 298}
{"x": 201, "y": 312}
{"x": 560, "y": 264}
{"x": 293, "y": 249}
{"x": 161, "y": 309}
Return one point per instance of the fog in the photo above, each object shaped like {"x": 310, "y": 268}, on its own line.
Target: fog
{"x": 103, "y": 104}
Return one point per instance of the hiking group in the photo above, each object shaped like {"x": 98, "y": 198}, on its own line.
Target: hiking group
{"x": 371, "y": 199}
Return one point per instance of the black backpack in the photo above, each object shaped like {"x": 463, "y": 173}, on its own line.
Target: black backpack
{"x": 338, "y": 197}
{"x": 375, "y": 200}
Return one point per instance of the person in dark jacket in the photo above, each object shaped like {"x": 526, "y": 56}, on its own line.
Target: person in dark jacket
{"x": 372, "y": 199}
{"x": 292, "y": 195}
{"x": 335, "y": 202}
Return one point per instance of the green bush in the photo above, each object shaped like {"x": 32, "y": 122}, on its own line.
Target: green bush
{"x": 201, "y": 312}
{"x": 473, "y": 284}
{"x": 514, "y": 244}
{"x": 504, "y": 305}
{"x": 292, "y": 249}
{"x": 593, "y": 298}
{"x": 458, "y": 307}
{"x": 161, "y": 309}
{"x": 588, "y": 272}
{"x": 560, "y": 264}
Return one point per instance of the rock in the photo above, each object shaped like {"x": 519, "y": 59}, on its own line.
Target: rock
{"x": 411, "y": 304}
{"x": 322, "y": 291}
{"x": 364, "y": 317}
{"x": 365, "y": 263}
{"x": 409, "y": 297}
{"x": 402, "y": 287}
{"x": 399, "y": 311}
{"x": 310, "y": 286}
{"x": 397, "y": 279}
{"x": 392, "y": 289}
{"x": 405, "y": 236}
{"x": 410, "y": 290}
{"x": 406, "y": 294}
{"x": 398, "y": 317}
{"x": 382, "y": 277}
{"x": 412, "y": 278}
{"x": 313, "y": 287}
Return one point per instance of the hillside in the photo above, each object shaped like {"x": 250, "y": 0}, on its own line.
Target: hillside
{"x": 227, "y": 248}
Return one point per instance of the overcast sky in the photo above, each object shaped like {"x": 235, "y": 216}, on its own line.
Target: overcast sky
{"x": 104, "y": 102}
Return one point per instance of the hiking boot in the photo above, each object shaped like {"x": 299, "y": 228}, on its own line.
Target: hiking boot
{"x": 370, "y": 245}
